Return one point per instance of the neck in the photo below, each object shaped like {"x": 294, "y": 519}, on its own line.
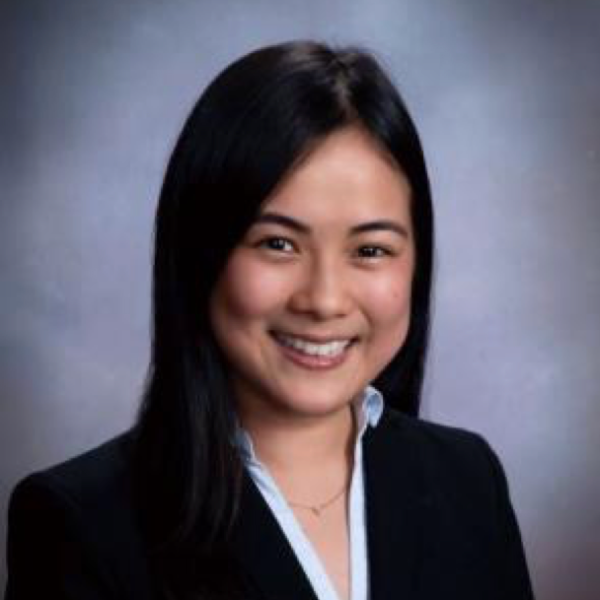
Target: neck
{"x": 305, "y": 447}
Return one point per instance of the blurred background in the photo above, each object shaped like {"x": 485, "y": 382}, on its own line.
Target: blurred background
{"x": 506, "y": 95}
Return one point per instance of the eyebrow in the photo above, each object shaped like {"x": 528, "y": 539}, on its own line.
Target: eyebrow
{"x": 298, "y": 226}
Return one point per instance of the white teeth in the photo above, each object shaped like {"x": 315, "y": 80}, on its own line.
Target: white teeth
{"x": 329, "y": 349}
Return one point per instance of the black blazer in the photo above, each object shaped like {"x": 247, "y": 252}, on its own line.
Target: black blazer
{"x": 440, "y": 525}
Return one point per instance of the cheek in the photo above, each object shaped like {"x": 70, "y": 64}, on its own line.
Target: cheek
{"x": 246, "y": 293}
{"x": 388, "y": 301}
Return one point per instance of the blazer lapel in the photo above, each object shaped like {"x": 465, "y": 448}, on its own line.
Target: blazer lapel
{"x": 396, "y": 506}
{"x": 264, "y": 553}
{"x": 397, "y": 518}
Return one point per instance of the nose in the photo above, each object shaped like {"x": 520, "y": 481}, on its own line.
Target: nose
{"x": 323, "y": 292}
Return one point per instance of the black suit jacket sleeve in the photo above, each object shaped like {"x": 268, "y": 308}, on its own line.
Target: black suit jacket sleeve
{"x": 48, "y": 554}
{"x": 514, "y": 575}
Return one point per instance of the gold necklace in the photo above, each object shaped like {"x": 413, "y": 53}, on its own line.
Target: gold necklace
{"x": 317, "y": 509}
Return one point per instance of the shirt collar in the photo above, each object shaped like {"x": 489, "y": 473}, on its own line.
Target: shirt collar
{"x": 367, "y": 407}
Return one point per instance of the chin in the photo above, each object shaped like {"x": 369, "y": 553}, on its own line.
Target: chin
{"x": 316, "y": 405}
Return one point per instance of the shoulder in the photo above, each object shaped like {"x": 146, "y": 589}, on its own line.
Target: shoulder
{"x": 88, "y": 481}
{"x": 432, "y": 439}
{"x": 76, "y": 517}
{"x": 450, "y": 459}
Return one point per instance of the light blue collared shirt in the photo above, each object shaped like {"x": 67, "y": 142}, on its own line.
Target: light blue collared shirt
{"x": 367, "y": 412}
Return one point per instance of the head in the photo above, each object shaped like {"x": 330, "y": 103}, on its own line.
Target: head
{"x": 315, "y": 300}
{"x": 257, "y": 124}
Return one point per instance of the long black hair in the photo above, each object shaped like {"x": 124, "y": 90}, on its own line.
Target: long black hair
{"x": 252, "y": 124}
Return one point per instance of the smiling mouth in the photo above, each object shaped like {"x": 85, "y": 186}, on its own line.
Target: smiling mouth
{"x": 313, "y": 354}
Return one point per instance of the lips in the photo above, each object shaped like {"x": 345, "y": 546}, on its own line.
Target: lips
{"x": 309, "y": 353}
{"x": 329, "y": 348}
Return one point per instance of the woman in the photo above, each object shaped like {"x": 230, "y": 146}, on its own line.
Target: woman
{"x": 277, "y": 454}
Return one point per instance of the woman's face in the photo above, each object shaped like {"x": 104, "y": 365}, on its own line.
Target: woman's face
{"x": 314, "y": 302}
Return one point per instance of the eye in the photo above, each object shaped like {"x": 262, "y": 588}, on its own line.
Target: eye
{"x": 278, "y": 244}
{"x": 374, "y": 252}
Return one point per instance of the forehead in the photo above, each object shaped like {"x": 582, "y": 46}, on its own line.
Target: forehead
{"x": 347, "y": 176}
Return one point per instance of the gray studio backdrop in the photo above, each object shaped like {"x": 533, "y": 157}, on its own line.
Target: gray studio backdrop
{"x": 507, "y": 97}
